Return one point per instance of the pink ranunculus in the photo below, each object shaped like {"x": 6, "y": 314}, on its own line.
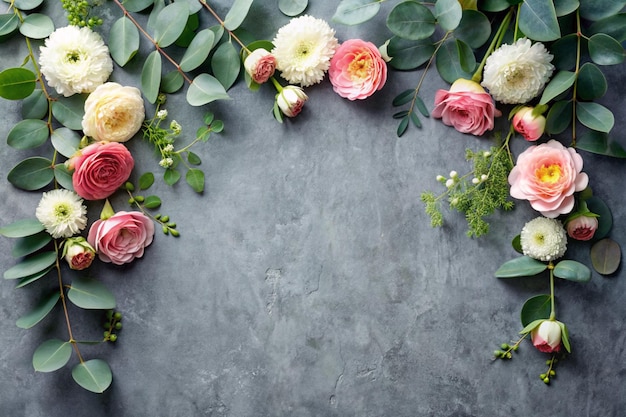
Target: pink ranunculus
{"x": 78, "y": 253}
{"x": 548, "y": 175}
{"x": 547, "y": 336}
{"x": 582, "y": 227}
{"x": 260, "y": 64}
{"x": 100, "y": 169}
{"x": 357, "y": 70}
{"x": 122, "y": 237}
{"x": 291, "y": 100}
{"x": 466, "y": 106}
{"x": 530, "y": 126}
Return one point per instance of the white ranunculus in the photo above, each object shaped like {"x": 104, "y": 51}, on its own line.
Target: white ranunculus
{"x": 62, "y": 213}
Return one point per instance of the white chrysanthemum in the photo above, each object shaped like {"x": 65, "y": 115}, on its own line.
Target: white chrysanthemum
{"x": 543, "y": 239}
{"x": 75, "y": 60}
{"x": 62, "y": 213}
{"x": 517, "y": 73}
{"x": 303, "y": 49}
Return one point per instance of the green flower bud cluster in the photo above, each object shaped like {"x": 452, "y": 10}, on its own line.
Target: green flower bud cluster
{"x": 505, "y": 351}
{"x": 550, "y": 373}
{"x": 78, "y": 13}
{"x": 167, "y": 226}
{"x": 112, "y": 324}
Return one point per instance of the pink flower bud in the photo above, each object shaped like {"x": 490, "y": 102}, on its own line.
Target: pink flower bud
{"x": 530, "y": 126}
{"x": 260, "y": 65}
{"x": 582, "y": 227}
{"x": 547, "y": 336}
{"x": 78, "y": 253}
{"x": 291, "y": 100}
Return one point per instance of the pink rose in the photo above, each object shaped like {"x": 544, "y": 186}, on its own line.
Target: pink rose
{"x": 122, "y": 237}
{"x": 548, "y": 175}
{"x": 291, "y": 100}
{"x": 260, "y": 65}
{"x": 528, "y": 125}
{"x": 357, "y": 70}
{"x": 547, "y": 336}
{"x": 78, "y": 253}
{"x": 466, "y": 107}
{"x": 100, "y": 169}
{"x": 582, "y": 227}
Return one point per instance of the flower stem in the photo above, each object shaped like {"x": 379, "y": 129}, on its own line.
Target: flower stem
{"x": 221, "y": 22}
{"x": 495, "y": 42}
{"x": 552, "y": 303}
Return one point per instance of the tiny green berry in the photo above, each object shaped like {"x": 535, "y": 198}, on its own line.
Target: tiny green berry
{"x": 118, "y": 326}
{"x": 113, "y": 338}
{"x": 552, "y": 372}
{"x": 542, "y": 376}
{"x": 546, "y": 380}
{"x": 107, "y": 334}
{"x": 505, "y": 346}
{"x": 117, "y": 316}
{"x": 174, "y": 232}
{"x": 165, "y": 219}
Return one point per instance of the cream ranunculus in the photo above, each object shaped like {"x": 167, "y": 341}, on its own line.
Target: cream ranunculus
{"x": 113, "y": 113}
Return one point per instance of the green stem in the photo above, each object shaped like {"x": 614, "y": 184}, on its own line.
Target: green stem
{"x": 495, "y": 42}
{"x": 552, "y": 303}
{"x": 279, "y": 87}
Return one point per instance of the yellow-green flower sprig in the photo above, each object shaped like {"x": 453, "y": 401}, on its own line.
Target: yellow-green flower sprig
{"x": 79, "y": 13}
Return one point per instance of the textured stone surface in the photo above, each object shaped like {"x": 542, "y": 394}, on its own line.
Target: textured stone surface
{"x": 308, "y": 282}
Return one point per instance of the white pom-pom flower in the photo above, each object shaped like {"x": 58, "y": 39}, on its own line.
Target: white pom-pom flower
{"x": 62, "y": 213}
{"x": 543, "y": 239}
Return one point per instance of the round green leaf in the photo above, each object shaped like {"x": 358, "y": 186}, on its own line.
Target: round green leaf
{"x": 30, "y": 244}
{"x": 37, "y": 26}
{"x": 292, "y": 7}
{"x": 226, "y": 64}
{"x": 564, "y": 52}
{"x": 559, "y": 117}
{"x": 537, "y": 20}
{"x": 63, "y": 176}
{"x": 572, "y": 271}
{"x": 354, "y": 12}
{"x": 170, "y": 23}
{"x": 523, "y": 266}
{"x": 193, "y": 159}
{"x": 172, "y": 82}
{"x": 474, "y": 28}
{"x": 32, "y": 173}
{"x": 17, "y": 83}
{"x": 606, "y": 256}
{"x": 22, "y": 228}
{"x": 448, "y": 13}
{"x": 191, "y": 26}
{"x": 604, "y": 50}
{"x": 195, "y": 178}
{"x": 494, "y": 5}
{"x": 152, "y": 202}
{"x": 52, "y": 355}
{"x": 411, "y": 20}
{"x": 93, "y": 375}
{"x": 449, "y": 63}
{"x": 605, "y": 218}
{"x": 516, "y": 243}
{"x": 560, "y": 83}
{"x": 88, "y": 293}
{"x": 69, "y": 111}
{"x": 565, "y": 7}
{"x": 27, "y": 4}
{"x": 591, "y": 82}
{"x": 137, "y": 5}
{"x": 9, "y": 23}
{"x": 31, "y": 265}
{"x": 237, "y": 14}
{"x": 407, "y": 54}
{"x": 42, "y": 309}
{"x": 146, "y": 181}
{"x": 28, "y": 134}
{"x": 123, "y": 41}
{"x": 535, "y": 308}
{"x": 198, "y": 50}
{"x": 614, "y": 26}
{"x": 151, "y": 76}
{"x": 205, "y": 89}
{"x": 65, "y": 141}
{"x": 171, "y": 176}
{"x": 600, "y": 143}
{"x": 599, "y": 9}
{"x": 595, "y": 116}
{"x": 35, "y": 106}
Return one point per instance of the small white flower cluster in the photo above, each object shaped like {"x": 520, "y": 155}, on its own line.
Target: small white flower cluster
{"x": 449, "y": 182}
{"x": 175, "y": 127}
{"x": 544, "y": 239}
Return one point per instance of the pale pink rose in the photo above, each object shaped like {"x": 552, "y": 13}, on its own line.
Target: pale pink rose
{"x": 548, "y": 175}
{"x": 100, "y": 169}
{"x": 260, "y": 64}
{"x": 122, "y": 237}
{"x": 466, "y": 107}
{"x": 113, "y": 113}
{"x": 531, "y": 127}
{"x": 582, "y": 227}
{"x": 291, "y": 100}
{"x": 357, "y": 70}
{"x": 547, "y": 336}
{"x": 78, "y": 253}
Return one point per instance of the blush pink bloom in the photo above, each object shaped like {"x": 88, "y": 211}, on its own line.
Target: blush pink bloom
{"x": 582, "y": 227}
{"x": 122, "y": 237}
{"x": 547, "y": 336}
{"x": 357, "y": 70}
{"x": 291, "y": 100}
{"x": 531, "y": 127}
{"x": 466, "y": 107}
{"x": 78, "y": 253}
{"x": 260, "y": 65}
{"x": 548, "y": 175}
{"x": 100, "y": 169}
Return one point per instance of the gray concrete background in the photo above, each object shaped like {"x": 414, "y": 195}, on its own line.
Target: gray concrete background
{"x": 307, "y": 280}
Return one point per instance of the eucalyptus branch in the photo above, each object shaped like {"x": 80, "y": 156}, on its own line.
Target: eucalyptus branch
{"x": 222, "y": 24}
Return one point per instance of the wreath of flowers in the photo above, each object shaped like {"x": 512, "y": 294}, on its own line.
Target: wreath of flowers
{"x": 531, "y": 59}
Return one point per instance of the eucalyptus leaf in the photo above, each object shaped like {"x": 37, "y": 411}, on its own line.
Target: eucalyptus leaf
{"x": 63, "y": 176}
{"x": 595, "y": 116}
{"x": 9, "y": 23}
{"x": 449, "y": 63}
{"x": 292, "y": 7}
{"x": 600, "y": 143}
{"x": 69, "y": 111}
{"x": 170, "y": 23}
{"x": 17, "y": 83}
{"x": 572, "y": 271}
{"x": 30, "y": 244}
{"x": 35, "y": 106}
{"x": 535, "y": 308}
{"x": 189, "y": 31}
{"x": 606, "y": 256}
{"x": 151, "y": 76}
{"x": 600, "y": 9}
{"x": 537, "y": 20}
{"x": 194, "y": 6}
{"x": 37, "y": 26}
{"x": 467, "y": 60}
{"x": 407, "y": 54}
{"x": 565, "y": 7}
{"x": 354, "y": 12}
{"x": 237, "y": 14}
{"x": 604, "y": 50}
{"x": 605, "y": 218}
{"x": 31, "y": 265}
{"x": 205, "y": 89}
{"x": 448, "y": 13}
{"x": 22, "y": 228}
{"x": 226, "y": 64}
{"x": 123, "y": 40}
{"x": 591, "y": 82}
{"x": 51, "y": 355}
{"x": 65, "y": 141}
{"x": 218, "y": 31}
{"x": 523, "y": 266}
{"x": 28, "y": 134}
{"x": 614, "y": 26}
{"x": 172, "y": 82}
{"x": 560, "y": 83}
{"x": 32, "y": 278}
{"x": 88, "y": 293}
{"x": 559, "y": 117}
{"x": 564, "y": 52}
{"x": 198, "y": 51}
{"x": 32, "y": 173}
{"x": 195, "y": 178}
{"x": 135, "y": 6}
{"x": 474, "y": 28}
{"x": 40, "y": 311}
{"x": 93, "y": 375}
{"x": 411, "y": 20}
{"x": 494, "y": 5}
